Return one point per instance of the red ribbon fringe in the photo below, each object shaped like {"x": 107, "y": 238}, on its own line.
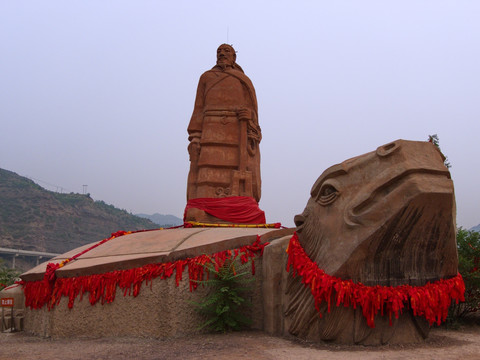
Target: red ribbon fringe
{"x": 431, "y": 300}
{"x": 103, "y": 287}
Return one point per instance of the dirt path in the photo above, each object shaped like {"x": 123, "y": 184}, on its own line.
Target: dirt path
{"x": 461, "y": 344}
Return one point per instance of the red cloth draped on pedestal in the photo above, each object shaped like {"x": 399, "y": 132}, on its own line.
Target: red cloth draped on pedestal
{"x": 234, "y": 209}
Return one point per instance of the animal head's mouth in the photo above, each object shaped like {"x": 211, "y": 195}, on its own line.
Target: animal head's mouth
{"x": 299, "y": 221}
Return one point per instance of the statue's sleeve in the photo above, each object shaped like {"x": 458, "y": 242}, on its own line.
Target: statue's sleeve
{"x": 196, "y": 122}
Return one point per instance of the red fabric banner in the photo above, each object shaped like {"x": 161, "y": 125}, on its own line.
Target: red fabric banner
{"x": 103, "y": 287}
{"x": 234, "y": 209}
{"x": 431, "y": 300}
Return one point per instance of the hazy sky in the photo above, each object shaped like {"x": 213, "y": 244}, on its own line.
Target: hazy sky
{"x": 100, "y": 93}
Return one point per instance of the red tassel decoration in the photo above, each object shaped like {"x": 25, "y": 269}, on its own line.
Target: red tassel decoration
{"x": 103, "y": 287}
{"x": 431, "y": 300}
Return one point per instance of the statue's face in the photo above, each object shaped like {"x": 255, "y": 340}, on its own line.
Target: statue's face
{"x": 225, "y": 55}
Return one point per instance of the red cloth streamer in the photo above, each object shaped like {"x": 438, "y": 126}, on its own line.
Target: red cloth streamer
{"x": 235, "y": 209}
{"x": 103, "y": 287}
{"x": 50, "y": 272}
{"x": 431, "y": 300}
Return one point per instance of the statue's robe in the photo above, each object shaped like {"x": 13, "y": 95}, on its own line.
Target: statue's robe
{"x": 229, "y": 160}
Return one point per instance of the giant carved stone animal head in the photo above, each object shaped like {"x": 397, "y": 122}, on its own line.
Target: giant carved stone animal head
{"x": 383, "y": 218}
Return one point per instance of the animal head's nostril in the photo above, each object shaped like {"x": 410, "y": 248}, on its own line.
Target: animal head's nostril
{"x": 388, "y": 149}
{"x": 299, "y": 220}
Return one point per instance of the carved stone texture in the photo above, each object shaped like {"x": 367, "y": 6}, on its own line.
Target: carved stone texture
{"x": 224, "y": 135}
{"x": 386, "y": 218}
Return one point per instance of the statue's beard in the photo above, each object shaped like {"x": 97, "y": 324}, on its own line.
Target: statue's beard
{"x": 224, "y": 64}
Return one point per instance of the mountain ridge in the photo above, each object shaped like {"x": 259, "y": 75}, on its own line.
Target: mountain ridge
{"x": 33, "y": 218}
{"x": 476, "y": 228}
{"x": 162, "y": 220}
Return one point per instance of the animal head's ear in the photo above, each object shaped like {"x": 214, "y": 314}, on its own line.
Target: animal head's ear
{"x": 388, "y": 149}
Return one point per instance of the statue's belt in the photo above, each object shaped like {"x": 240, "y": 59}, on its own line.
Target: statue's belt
{"x": 220, "y": 113}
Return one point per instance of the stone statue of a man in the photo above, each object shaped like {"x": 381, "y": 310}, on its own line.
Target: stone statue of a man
{"x": 224, "y": 133}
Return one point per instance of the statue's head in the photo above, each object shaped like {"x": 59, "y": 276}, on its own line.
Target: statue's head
{"x": 226, "y": 55}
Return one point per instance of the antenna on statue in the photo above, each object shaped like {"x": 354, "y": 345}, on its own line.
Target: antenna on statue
{"x": 227, "y": 34}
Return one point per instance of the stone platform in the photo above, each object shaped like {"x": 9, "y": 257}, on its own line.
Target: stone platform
{"x": 161, "y": 309}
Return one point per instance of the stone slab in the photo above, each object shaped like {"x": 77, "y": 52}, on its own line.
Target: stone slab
{"x": 138, "y": 249}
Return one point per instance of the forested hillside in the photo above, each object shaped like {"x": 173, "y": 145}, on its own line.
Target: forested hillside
{"x": 32, "y": 218}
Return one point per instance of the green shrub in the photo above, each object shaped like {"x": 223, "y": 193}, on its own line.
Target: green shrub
{"x": 7, "y": 276}
{"x": 223, "y": 305}
{"x": 436, "y": 141}
{"x": 468, "y": 244}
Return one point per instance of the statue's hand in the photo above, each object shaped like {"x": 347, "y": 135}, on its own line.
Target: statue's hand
{"x": 244, "y": 114}
{"x": 194, "y": 148}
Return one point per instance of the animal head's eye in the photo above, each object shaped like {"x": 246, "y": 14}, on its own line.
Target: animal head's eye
{"x": 327, "y": 194}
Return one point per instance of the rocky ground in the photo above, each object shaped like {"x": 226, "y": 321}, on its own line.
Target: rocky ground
{"x": 462, "y": 343}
